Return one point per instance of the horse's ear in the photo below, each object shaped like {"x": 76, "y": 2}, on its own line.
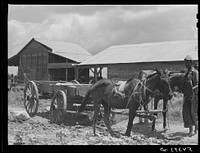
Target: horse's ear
{"x": 158, "y": 72}
{"x": 186, "y": 75}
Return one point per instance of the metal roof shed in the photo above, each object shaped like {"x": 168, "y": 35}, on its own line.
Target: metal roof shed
{"x": 124, "y": 59}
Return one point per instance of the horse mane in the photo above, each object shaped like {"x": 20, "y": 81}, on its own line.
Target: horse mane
{"x": 129, "y": 80}
{"x": 151, "y": 75}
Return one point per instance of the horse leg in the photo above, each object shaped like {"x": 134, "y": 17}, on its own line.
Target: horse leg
{"x": 96, "y": 111}
{"x": 164, "y": 113}
{"x": 106, "y": 118}
{"x": 140, "y": 119}
{"x": 156, "y": 100}
{"x": 145, "y": 108}
{"x": 132, "y": 113}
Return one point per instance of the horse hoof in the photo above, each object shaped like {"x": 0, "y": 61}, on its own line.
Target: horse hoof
{"x": 95, "y": 135}
{"x": 191, "y": 134}
{"x": 116, "y": 135}
{"x": 154, "y": 130}
{"x": 125, "y": 134}
{"x": 165, "y": 129}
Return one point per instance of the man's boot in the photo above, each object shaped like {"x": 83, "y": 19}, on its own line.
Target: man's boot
{"x": 190, "y": 131}
{"x": 196, "y": 127}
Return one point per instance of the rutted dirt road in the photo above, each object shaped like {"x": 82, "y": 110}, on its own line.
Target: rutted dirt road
{"x": 38, "y": 131}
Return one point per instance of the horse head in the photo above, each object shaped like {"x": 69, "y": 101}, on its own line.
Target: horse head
{"x": 163, "y": 85}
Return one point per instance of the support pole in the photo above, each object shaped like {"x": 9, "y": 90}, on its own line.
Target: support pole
{"x": 76, "y": 72}
{"x": 95, "y": 74}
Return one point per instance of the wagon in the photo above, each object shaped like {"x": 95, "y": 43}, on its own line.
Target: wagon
{"x": 65, "y": 96}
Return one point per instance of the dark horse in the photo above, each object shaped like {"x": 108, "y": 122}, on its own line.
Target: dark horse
{"x": 135, "y": 90}
{"x": 176, "y": 79}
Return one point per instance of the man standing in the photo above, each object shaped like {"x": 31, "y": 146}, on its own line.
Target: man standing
{"x": 190, "y": 106}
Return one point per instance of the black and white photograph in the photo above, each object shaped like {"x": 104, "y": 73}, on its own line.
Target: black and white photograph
{"x": 103, "y": 75}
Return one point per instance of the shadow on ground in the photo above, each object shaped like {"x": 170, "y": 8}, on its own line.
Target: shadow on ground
{"x": 145, "y": 129}
{"x": 69, "y": 120}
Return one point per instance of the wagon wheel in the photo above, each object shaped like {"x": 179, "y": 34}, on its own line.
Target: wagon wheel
{"x": 31, "y": 98}
{"x": 58, "y": 107}
{"x": 75, "y": 82}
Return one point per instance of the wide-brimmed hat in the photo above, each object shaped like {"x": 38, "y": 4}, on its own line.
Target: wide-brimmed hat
{"x": 188, "y": 58}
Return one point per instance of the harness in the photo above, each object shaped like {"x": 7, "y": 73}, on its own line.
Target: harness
{"x": 140, "y": 91}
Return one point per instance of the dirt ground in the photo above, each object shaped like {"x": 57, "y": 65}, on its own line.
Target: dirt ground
{"x": 38, "y": 131}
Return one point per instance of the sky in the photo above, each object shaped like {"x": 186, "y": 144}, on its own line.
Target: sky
{"x": 97, "y": 27}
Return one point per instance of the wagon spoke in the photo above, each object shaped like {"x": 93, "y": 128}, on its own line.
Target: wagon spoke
{"x": 51, "y": 116}
{"x": 28, "y": 91}
{"x": 32, "y": 89}
{"x": 28, "y": 87}
{"x": 55, "y": 104}
{"x": 33, "y": 106}
{"x": 29, "y": 107}
{"x": 58, "y": 101}
{"x": 28, "y": 103}
{"x": 27, "y": 94}
{"x": 61, "y": 102}
{"x": 56, "y": 116}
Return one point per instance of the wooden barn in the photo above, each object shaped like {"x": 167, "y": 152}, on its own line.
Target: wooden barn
{"x": 125, "y": 61}
{"x": 50, "y": 60}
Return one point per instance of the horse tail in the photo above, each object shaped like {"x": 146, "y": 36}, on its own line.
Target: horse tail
{"x": 84, "y": 102}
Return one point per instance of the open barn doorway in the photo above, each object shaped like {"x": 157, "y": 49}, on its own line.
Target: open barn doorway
{"x": 70, "y": 74}
{"x": 57, "y": 74}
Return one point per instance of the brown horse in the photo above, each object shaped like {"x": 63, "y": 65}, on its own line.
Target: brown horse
{"x": 176, "y": 79}
{"x": 135, "y": 90}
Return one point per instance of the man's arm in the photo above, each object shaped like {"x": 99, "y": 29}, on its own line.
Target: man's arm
{"x": 196, "y": 77}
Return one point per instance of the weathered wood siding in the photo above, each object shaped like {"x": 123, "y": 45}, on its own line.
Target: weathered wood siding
{"x": 125, "y": 71}
{"x": 39, "y": 64}
{"x": 33, "y": 62}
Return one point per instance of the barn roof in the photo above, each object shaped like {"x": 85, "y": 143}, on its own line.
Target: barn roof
{"x": 68, "y": 50}
{"x": 145, "y": 52}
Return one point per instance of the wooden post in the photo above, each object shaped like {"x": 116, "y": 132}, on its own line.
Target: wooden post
{"x": 100, "y": 72}
{"x": 42, "y": 66}
{"x": 76, "y": 72}
{"x": 66, "y": 74}
{"x": 36, "y": 77}
{"x": 95, "y": 74}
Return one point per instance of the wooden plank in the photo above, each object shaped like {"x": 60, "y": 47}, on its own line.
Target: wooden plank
{"x": 150, "y": 117}
{"x": 125, "y": 111}
{"x": 74, "y": 112}
{"x": 151, "y": 111}
{"x": 77, "y": 105}
{"x": 59, "y": 65}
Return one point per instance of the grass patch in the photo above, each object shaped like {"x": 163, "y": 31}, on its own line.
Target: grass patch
{"x": 16, "y": 98}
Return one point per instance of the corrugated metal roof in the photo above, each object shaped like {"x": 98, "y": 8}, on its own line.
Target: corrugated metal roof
{"x": 67, "y": 50}
{"x": 146, "y": 52}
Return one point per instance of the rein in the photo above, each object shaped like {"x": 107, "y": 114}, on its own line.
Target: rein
{"x": 141, "y": 99}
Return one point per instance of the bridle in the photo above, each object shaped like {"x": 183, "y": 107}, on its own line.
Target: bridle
{"x": 138, "y": 91}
